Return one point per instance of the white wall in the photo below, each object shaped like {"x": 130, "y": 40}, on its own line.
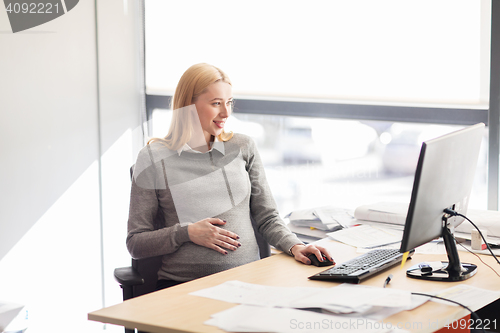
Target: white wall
{"x": 120, "y": 95}
{"x": 69, "y": 131}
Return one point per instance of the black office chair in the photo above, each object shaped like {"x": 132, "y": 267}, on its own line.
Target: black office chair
{"x": 141, "y": 277}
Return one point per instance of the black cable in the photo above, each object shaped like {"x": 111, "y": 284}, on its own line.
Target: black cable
{"x": 472, "y": 313}
{"x": 454, "y": 213}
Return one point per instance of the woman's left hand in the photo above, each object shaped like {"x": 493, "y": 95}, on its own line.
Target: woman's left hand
{"x": 301, "y": 251}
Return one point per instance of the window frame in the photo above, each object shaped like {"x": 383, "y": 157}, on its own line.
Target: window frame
{"x": 434, "y": 115}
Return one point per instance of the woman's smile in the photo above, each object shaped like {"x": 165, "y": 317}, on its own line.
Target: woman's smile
{"x": 219, "y": 124}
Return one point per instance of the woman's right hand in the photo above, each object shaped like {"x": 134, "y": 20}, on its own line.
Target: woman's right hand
{"x": 207, "y": 233}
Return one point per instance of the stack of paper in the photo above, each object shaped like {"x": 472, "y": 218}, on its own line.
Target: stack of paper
{"x": 385, "y": 212}
{"x": 394, "y": 215}
{"x": 323, "y": 218}
{"x": 485, "y": 220}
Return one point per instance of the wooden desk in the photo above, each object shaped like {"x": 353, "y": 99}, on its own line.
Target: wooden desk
{"x": 173, "y": 310}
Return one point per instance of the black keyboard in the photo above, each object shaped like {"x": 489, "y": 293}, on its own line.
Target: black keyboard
{"x": 362, "y": 267}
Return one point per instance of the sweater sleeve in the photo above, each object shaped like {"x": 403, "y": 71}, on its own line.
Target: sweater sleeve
{"x": 147, "y": 235}
{"x": 263, "y": 207}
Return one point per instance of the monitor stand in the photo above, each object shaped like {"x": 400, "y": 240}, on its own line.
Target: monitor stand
{"x": 453, "y": 269}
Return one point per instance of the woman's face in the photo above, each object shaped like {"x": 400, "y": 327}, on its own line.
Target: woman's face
{"x": 214, "y": 107}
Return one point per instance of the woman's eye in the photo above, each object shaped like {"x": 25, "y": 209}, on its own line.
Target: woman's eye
{"x": 228, "y": 103}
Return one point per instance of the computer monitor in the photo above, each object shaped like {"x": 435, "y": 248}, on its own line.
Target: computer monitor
{"x": 443, "y": 179}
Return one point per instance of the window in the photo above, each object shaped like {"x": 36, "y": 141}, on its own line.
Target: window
{"x": 390, "y": 52}
{"x": 387, "y": 70}
{"x": 312, "y": 162}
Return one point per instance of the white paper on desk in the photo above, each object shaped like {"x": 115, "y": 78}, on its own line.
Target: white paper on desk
{"x": 484, "y": 219}
{"x": 245, "y": 318}
{"x": 302, "y": 215}
{"x": 254, "y": 294}
{"x": 466, "y": 246}
{"x": 381, "y": 312}
{"x": 331, "y": 296}
{"x": 375, "y": 296}
{"x": 366, "y": 236}
{"x": 356, "y": 297}
{"x": 307, "y": 231}
{"x": 341, "y": 310}
{"x": 333, "y": 215}
{"x": 388, "y": 212}
{"x": 467, "y": 295}
{"x": 345, "y": 298}
{"x": 467, "y": 236}
{"x": 432, "y": 247}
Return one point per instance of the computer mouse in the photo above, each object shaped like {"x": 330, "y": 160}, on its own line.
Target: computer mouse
{"x": 314, "y": 261}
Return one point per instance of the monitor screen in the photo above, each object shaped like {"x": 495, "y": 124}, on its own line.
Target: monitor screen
{"x": 443, "y": 179}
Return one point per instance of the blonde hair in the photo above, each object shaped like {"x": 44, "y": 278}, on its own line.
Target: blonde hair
{"x": 192, "y": 84}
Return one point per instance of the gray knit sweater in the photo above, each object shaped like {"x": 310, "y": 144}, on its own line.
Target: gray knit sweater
{"x": 170, "y": 191}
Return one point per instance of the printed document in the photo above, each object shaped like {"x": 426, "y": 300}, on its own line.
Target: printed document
{"x": 246, "y": 318}
{"x": 467, "y": 295}
{"x": 347, "y": 296}
{"x": 366, "y": 236}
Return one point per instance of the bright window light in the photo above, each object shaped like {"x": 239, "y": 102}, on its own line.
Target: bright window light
{"x": 361, "y": 51}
